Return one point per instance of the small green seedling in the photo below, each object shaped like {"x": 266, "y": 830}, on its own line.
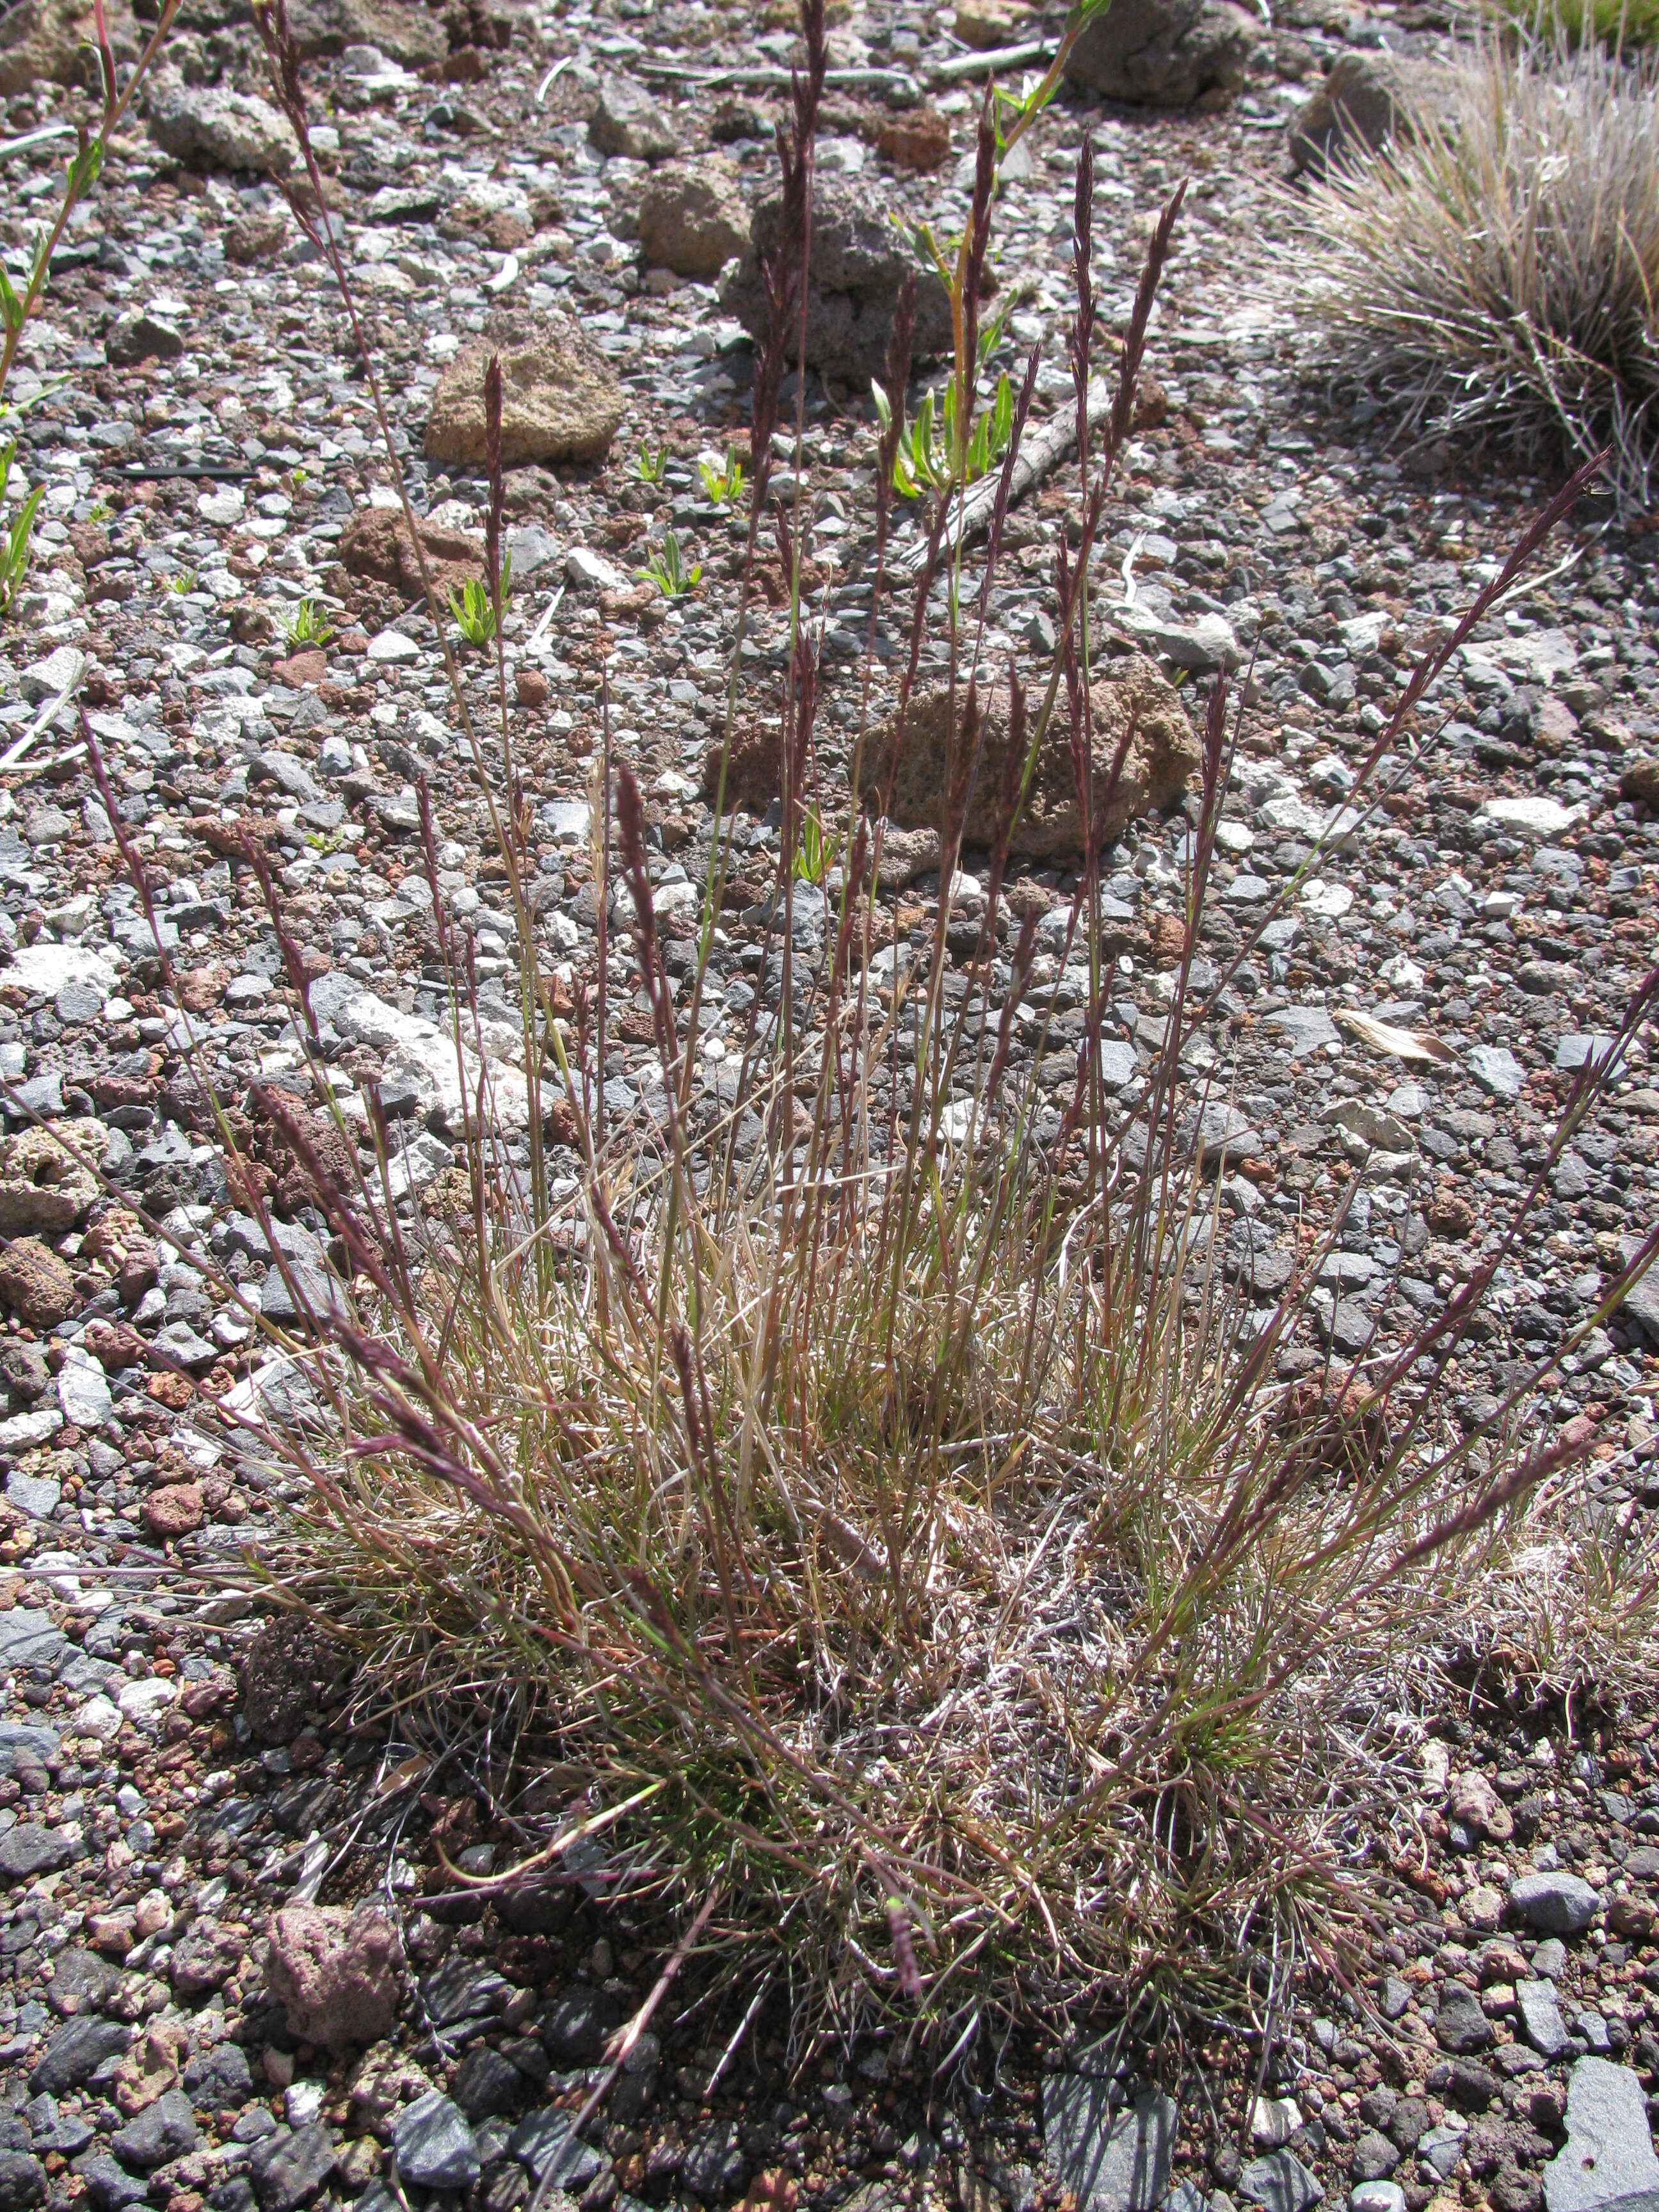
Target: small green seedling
{"x": 473, "y": 608}
{"x": 668, "y": 571}
{"x": 652, "y": 468}
{"x": 182, "y": 580}
{"x": 308, "y": 625}
{"x": 938, "y": 459}
{"x": 15, "y": 543}
{"x": 815, "y": 855}
{"x": 723, "y": 485}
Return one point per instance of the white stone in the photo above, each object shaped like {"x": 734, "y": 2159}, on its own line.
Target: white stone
{"x": 97, "y": 1717}
{"x": 1540, "y": 817}
{"x": 592, "y": 571}
{"x": 46, "y": 968}
{"x": 223, "y": 506}
{"x": 142, "y": 1701}
{"x": 23, "y": 1431}
{"x": 83, "y": 1392}
{"x": 394, "y": 645}
{"x": 1330, "y": 900}
{"x": 428, "y": 1052}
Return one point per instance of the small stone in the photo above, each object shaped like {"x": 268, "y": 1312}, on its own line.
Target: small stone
{"x": 693, "y": 219}
{"x": 23, "y": 2181}
{"x": 139, "y": 336}
{"x": 1461, "y": 2025}
{"x": 1279, "y": 2183}
{"x": 1274, "y": 2121}
{"x": 1374, "y": 2157}
{"x": 433, "y": 2146}
{"x": 76, "y": 2053}
{"x": 560, "y": 398}
{"x": 288, "y": 2169}
{"x": 1165, "y": 53}
{"x": 164, "y": 2131}
{"x": 219, "y": 2078}
{"x": 218, "y": 129}
{"x": 544, "y": 2142}
{"x": 336, "y": 1973}
{"x": 1112, "y": 2160}
{"x": 1609, "y": 2151}
{"x": 1541, "y": 2017}
{"x": 626, "y": 120}
{"x": 1472, "y": 1800}
{"x": 36, "y": 1284}
{"x": 1558, "y": 1902}
{"x": 532, "y": 687}
{"x": 715, "y": 2167}
{"x": 1496, "y": 1069}
{"x": 29, "y": 1848}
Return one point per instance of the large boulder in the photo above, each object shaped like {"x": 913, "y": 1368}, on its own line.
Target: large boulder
{"x": 337, "y": 1974}
{"x": 693, "y": 218}
{"x": 1165, "y": 53}
{"x": 1161, "y": 759}
{"x": 1362, "y": 103}
{"x": 206, "y": 127}
{"x": 560, "y": 400}
{"x": 859, "y": 260}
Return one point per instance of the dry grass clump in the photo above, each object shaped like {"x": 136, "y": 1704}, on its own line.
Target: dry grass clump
{"x": 859, "y": 1499}
{"x": 1494, "y": 275}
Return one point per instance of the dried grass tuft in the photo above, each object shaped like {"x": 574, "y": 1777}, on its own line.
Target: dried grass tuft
{"x": 1493, "y": 275}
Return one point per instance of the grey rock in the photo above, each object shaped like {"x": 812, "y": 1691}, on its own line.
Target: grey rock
{"x": 859, "y": 261}
{"x": 1440, "y": 2147}
{"x": 461, "y": 1989}
{"x": 1374, "y": 2157}
{"x": 29, "y": 1848}
{"x": 1307, "y": 1028}
{"x": 1496, "y": 1069}
{"x": 218, "y": 2078}
{"x": 1397, "y": 1996}
{"x": 1279, "y": 2183}
{"x": 487, "y": 2083}
{"x": 290, "y": 2166}
{"x": 110, "y": 2188}
{"x": 543, "y": 2141}
{"x": 1362, "y": 103}
{"x": 162, "y": 2132}
{"x": 1558, "y": 1904}
{"x": 76, "y": 2053}
{"x": 1199, "y": 646}
{"x": 715, "y": 2167}
{"x": 1541, "y": 2017}
{"x": 28, "y": 1637}
{"x": 1111, "y": 2160}
{"x": 23, "y": 2181}
{"x": 1608, "y": 2153}
{"x": 209, "y": 127}
{"x": 1461, "y": 2026}
{"x": 1165, "y": 53}
{"x": 626, "y": 120}
{"x": 82, "y": 1982}
{"x": 139, "y": 336}
{"x": 574, "y": 2025}
{"x": 1376, "y": 2197}
{"x": 433, "y": 2146}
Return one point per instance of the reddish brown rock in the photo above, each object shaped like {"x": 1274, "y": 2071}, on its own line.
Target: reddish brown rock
{"x": 309, "y": 665}
{"x": 174, "y": 1510}
{"x": 337, "y": 1975}
{"x": 1162, "y": 758}
{"x": 376, "y": 543}
{"x": 36, "y": 1284}
{"x": 919, "y": 140}
{"x": 532, "y": 687}
{"x": 140, "y": 1271}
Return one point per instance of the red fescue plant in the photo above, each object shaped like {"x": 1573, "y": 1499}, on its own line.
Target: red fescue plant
{"x": 864, "y": 1503}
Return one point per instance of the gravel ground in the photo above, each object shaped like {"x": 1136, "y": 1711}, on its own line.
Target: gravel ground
{"x": 172, "y": 1766}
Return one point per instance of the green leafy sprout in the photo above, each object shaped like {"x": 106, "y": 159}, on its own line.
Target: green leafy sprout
{"x": 308, "y": 625}
{"x": 927, "y": 459}
{"x": 667, "y": 569}
{"x": 816, "y": 853}
{"x": 725, "y": 484}
{"x": 652, "y": 468}
{"x": 16, "y": 543}
{"x": 474, "y": 605}
{"x": 183, "y": 581}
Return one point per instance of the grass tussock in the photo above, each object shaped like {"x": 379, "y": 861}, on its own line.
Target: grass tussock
{"x": 1493, "y": 275}
{"x": 853, "y": 1492}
